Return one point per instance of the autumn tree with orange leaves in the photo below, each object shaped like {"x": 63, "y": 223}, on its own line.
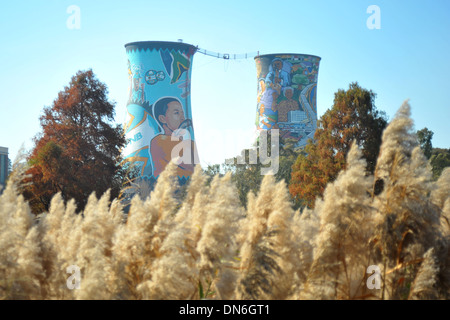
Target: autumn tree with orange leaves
{"x": 78, "y": 150}
{"x": 353, "y": 116}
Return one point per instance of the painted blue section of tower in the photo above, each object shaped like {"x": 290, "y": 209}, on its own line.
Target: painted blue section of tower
{"x": 159, "y": 124}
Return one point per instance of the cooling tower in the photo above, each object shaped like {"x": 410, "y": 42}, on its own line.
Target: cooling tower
{"x": 159, "y": 127}
{"x": 287, "y": 90}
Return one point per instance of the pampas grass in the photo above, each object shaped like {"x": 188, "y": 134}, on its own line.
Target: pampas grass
{"x": 209, "y": 247}
{"x": 342, "y": 256}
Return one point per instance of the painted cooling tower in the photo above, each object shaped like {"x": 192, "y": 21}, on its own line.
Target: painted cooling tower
{"x": 158, "y": 127}
{"x": 287, "y": 89}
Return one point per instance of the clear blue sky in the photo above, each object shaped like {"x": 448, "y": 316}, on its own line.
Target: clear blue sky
{"x": 407, "y": 58}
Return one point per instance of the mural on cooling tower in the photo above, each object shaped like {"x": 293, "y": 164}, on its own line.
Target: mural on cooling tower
{"x": 287, "y": 88}
{"x": 159, "y": 119}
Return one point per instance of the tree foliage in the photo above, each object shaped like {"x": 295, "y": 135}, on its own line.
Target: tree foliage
{"x": 247, "y": 177}
{"x": 425, "y": 137}
{"x": 78, "y": 150}
{"x": 439, "y": 160}
{"x": 353, "y": 117}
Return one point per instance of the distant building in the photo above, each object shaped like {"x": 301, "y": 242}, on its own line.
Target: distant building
{"x": 297, "y": 116}
{"x": 3, "y": 166}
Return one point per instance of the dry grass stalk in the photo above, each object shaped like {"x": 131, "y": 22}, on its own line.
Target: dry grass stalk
{"x": 208, "y": 246}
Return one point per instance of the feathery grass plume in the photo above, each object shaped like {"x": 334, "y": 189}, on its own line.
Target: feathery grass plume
{"x": 440, "y": 196}
{"x": 305, "y": 228}
{"x": 30, "y": 266}
{"x": 257, "y": 214}
{"x": 445, "y": 219}
{"x": 341, "y": 257}
{"x": 18, "y": 174}
{"x": 408, "y": 222}
{"x": 130, "y": 249}
{"x": 117, "y": 212}
{"x": 94, "y": 256}
{"x": 244, "y": 228}
{"x": 51, "y": 225}
{"x": 189, "y": 222}
{"x": 198, "y": 213}
{"x": 196, "y": 187}
{"x": 284, "y": 242}
{"x": 51, "y": 231}
{"x": 174, "y": 275}
{"x": 216, "y": 240}
{"x": 60, "y": 246}
{"x": 442, "y": 191}
{"x": 217, "y": 246}
{"x": 16, "y": 221}
{"x": 138, "y": 242}
{"x": 444, "y": 258}
{"x": 444, "y": 268}
{"x": 140, "y": 188}
{"x": 259, "y": 267}
{"x": 165, "y": 253}
{"x": 424, "y": 285}
{"x": 164, "y": 204}
{"x": 226, "y": 283}
{"x": 398, "y": 141}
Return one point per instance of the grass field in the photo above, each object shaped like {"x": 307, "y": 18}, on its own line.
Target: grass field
{"x": 209, "y": 247}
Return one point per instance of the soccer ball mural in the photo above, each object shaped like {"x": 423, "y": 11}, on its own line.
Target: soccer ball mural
{"x": 287, "y": 90}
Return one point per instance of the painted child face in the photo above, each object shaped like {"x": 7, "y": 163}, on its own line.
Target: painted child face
{"x": 174, "y": 115}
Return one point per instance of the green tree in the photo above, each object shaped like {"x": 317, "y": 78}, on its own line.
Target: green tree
{"x": 439, "y": 160}
{"x": 78, "y": 150}
{"x": 425, "y": 137}
{"x": 248, "y": 177}
{"x": 353, "y": 116}
{"x": 211, "y": 171}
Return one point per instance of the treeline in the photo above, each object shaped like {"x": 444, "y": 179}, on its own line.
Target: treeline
{"x": 78, "y": 150}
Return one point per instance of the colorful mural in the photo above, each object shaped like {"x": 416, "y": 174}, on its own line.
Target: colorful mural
{"x": 286, "y": 100}
{"x": 159, "y": 119}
